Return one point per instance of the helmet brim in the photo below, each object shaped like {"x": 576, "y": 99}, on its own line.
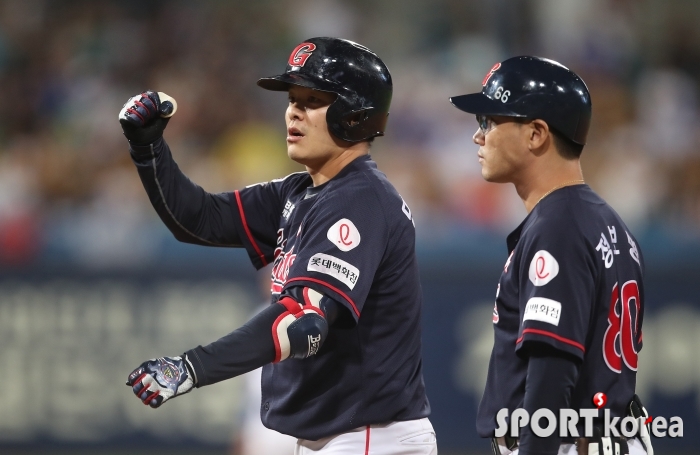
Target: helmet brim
{"x": 480, "y": 104}
{"x": 282, "y": 82}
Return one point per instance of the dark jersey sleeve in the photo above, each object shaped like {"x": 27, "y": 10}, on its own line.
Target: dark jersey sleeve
{"x": 258, "y": 213}
{"x": 557, "y": 279}
{"x": 192, "y": 214}
{"x": 252, "y": 345}
{"x": 343, "y": 240}
{"x": 551, "y": 378}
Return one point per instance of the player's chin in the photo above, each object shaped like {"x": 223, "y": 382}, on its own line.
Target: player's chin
{"x": 297, "y": 153}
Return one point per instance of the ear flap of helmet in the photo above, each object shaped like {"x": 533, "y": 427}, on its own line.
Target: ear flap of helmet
{"x": 355, "y": 125}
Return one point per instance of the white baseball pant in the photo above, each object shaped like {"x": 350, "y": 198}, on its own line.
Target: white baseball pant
{"x": 634, "y": 445}
{"x": 413, "y": 437}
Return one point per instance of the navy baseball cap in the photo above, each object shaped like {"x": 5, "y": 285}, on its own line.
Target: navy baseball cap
{"x": 536, "y": 88}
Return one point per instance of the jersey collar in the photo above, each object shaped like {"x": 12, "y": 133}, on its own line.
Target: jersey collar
{"x": 564, "y": 192}
{"x": 359, "y": 164}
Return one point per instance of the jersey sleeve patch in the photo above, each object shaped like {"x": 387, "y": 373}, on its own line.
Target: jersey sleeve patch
{"x": 542, "y": 309}
{"x": 341, "y": 270}
{"x": 344, "y": 235}
{"x": 543, "y": 268}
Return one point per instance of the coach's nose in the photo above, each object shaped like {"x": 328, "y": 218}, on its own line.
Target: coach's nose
{"x": 479, "y": 137}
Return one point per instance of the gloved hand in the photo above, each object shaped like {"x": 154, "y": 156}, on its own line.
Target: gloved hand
{"x": 611, "y": 445}
{"x": 637, "y": 410}
{"x": 144, "y": 117}
{"x": 158, "y": 380}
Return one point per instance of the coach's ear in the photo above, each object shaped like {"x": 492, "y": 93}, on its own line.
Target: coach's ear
{"x": 538, "y": 136}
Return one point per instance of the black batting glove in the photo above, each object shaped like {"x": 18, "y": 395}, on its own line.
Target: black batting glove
{"x": 637, "y": 410}
{"x": 142, "y": 118}
{"x": 157, "y": 380}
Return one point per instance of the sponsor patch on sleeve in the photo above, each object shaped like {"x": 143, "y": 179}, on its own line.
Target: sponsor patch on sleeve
{"x": 542, "y": 309}
{"x": 337, "y": 268}
{"x": 543, "y": 268}
{"x": 344, "y": 235}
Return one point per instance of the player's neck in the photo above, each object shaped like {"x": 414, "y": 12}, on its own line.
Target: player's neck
{"x": 540, "y": 181}
{"x": 324, "y": 171}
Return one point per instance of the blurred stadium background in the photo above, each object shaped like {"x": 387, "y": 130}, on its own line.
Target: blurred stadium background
{"x": 91, "y": 283}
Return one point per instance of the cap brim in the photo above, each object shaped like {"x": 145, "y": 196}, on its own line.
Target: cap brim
{"x": 282, "y": 82}
{"x": 480, "y": 104}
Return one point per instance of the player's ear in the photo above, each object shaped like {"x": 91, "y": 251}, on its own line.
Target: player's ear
{"x": 538, "y": 136}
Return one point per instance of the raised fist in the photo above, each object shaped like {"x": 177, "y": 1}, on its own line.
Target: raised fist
{"x": 145, "y": 116}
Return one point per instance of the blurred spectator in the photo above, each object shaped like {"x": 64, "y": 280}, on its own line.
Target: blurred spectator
{"x": 66, "y": 183}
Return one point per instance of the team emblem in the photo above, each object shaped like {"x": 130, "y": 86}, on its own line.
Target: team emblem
{"x": 344, "y": 235}
{"x": 282, "y": 263}
{"x": 490, "y": 73}
{"x": 543, "y": 268}
{"x": 301, "y": 53}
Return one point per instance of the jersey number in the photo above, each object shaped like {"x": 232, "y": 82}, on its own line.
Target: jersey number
{"x": 623, "y": 327}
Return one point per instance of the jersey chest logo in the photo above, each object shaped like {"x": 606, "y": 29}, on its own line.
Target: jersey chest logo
{"x": 510, "y": 257}
{"x": 495, "y": 318}
{"x": 283, "y": 262}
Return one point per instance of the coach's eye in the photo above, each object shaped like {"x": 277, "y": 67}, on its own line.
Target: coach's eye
{"x": 485, "y": 123}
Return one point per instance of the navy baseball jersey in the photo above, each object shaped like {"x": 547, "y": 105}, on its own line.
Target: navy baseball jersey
{"x": 352, "y": 239}
{"x": 573, "y": 280}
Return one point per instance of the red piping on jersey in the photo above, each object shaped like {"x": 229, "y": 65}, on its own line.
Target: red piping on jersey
{"x": 367, "y": 442}
{"x": 332, "y": 288}
{"x": 247, "y": 231}
{"x": 551, "y": 335}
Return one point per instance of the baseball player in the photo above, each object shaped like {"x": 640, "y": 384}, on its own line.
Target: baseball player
{"x": 570, "y": 301}
{"x": 341, "y": 341}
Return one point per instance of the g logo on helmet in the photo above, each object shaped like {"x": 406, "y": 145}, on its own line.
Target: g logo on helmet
{"x": 301, "y": 53}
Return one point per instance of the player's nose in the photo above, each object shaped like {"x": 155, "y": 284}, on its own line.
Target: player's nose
{"x": 294, "y": 111}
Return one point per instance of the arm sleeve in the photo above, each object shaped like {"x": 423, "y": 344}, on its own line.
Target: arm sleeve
{"x": 192, "y": 214}
{"x": 249, "y": 347}
{"x": 557, "y": 286}
{"x": 551, "y": 377}
{"x": 239, "y": 352}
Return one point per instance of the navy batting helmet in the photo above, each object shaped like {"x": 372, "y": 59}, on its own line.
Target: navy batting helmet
{"x": 351, "y": 71}
{"x": 536, "y": 88}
